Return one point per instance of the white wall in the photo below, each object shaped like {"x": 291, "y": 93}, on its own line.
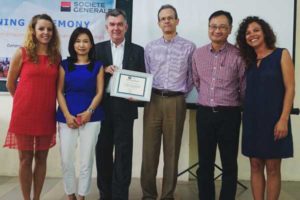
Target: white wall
{"x": 193, "y": 20}
{"x": 193, "y": 24}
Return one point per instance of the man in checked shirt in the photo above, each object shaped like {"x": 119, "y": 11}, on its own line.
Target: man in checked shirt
{"x": 219, "y": 77}
{"x": 169, "y": 59}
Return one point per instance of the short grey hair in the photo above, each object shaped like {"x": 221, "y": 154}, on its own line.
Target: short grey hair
{"x": 116, "y": 12}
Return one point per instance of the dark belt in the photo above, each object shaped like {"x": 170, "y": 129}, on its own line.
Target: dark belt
{"x": 166, "y": 93}
{"x": 219, "y": 108}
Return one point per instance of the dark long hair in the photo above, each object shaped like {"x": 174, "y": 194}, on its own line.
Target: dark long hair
{"x": 246, "y": 51}
{"x": 73, "y": 55}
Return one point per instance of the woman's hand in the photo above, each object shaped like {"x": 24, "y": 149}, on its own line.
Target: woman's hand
{"x": 71, "y": 122}
{"x": 281, "y": 129}
{"x": 85, "y": 117}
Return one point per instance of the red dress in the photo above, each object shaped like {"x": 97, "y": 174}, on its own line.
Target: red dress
{"x": 33, "y": 125}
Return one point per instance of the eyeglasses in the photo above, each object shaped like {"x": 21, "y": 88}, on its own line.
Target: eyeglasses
{"x": 221, "y": 27}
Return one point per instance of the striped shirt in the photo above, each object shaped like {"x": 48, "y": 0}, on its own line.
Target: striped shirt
{"x": 170, "y": 62}
{"x": 219, "y": 76}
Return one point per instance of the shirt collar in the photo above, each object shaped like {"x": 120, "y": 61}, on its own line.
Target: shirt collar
{"x": 115, "y": 46}
{"x": 221, "y": 50}
{"x": 174, "y": 39}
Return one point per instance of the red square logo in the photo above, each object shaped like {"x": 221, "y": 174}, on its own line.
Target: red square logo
{"x": 65, "y": 6}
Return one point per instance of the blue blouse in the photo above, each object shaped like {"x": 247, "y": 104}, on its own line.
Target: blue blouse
{"x": 79, "y": 89}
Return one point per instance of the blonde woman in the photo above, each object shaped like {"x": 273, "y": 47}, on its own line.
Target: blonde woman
{"x": 32, "y": 127}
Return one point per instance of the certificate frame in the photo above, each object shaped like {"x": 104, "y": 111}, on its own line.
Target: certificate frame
{"x": 131, "y": 84}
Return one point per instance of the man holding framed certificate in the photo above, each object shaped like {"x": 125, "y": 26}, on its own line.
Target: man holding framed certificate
{"x": 169, "y": 59}
{"x": 114, "y": 175}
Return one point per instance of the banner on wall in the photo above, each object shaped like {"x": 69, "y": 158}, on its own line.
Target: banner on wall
{"x": 67, "y": 15}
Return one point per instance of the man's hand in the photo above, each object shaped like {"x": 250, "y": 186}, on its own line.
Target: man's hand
{"x": 110, "y": 69}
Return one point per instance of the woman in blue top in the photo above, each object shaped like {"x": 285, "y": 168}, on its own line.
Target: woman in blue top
{"x": 268, "y": 102}
{"x": 79, "y": 92}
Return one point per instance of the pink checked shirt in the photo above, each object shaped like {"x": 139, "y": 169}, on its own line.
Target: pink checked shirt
{"x": 219, "y": 77}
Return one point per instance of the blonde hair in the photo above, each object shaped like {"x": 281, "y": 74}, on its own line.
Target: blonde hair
{"x": 30, "y": 42}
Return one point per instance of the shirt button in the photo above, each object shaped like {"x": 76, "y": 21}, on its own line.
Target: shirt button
{"x": 212, "y": 88}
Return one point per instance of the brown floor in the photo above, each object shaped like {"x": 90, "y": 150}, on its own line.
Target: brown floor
{"x": 53, "y": 190}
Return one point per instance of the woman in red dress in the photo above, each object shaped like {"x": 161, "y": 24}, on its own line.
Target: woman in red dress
{"x": 32, "y": 127}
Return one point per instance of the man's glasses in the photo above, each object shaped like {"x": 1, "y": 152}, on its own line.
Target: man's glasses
{"x": 221, "y": 27}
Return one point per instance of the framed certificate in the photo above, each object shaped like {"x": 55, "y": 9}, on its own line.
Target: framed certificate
{"x": 131, "y": 84}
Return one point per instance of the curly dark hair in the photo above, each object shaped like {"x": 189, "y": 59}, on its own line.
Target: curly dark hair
{"x": 246, "y": 51}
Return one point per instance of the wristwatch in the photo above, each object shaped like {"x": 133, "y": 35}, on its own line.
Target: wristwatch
{"x": 91, "y": 110}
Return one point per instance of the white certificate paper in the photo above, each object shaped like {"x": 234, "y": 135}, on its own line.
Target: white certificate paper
{"x": 131, "y": 84}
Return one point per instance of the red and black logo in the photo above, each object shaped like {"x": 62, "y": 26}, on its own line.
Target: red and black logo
{"x": 65, "y": 6}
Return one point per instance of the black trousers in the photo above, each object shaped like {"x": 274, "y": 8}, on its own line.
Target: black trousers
{"x": 217, "y": 128}
{"x": 114, "y": 171}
